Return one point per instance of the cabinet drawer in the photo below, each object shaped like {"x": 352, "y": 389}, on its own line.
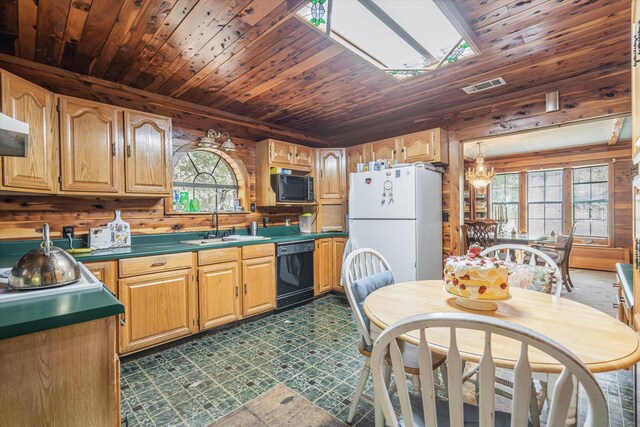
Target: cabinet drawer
{"x": 154, "y": 264}
{"x": 257, "y": 251}
{"x": 215, "y": 256}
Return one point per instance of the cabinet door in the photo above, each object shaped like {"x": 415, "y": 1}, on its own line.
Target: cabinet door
{"x": 303, "y": 156}
{"x": 29, "y": 103}
{"x": 148, "y": 146}
{"x": 354, "y": 156}
{"x": 332, "y": 174}
{"x": 158, "y": 308}
{"x": 417, "y": 147}
{"x": 90, "y": 140}
{"x": 324, "y": 265}
{"x": 385, "y": 149}
{"x": 219, "y": 294}
{"x": 281, "y": 152}
{"x": 105, "y": 271}
{"x": 259, "y": 287}
{"x": 339, "y": 243}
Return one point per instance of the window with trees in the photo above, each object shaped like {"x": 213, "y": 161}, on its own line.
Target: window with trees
{"x": 544, "y": 202}
{"x": 591, "y": 200}
{"x": 207, "y": 177}
{"x": 504, "y": 199}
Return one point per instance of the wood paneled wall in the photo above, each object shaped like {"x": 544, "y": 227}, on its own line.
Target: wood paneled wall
{"x": 21, "y": 217}
{"x": 618, "y": 157}
{"x": 451, "y": 198}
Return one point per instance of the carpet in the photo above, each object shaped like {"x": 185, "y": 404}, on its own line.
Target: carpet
{"x": 279, "y": 406}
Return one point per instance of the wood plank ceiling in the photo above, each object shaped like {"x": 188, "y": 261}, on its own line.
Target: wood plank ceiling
{"x": 254, "y": 58}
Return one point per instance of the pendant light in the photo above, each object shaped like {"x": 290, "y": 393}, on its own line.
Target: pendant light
{"x": 479, "y": 177}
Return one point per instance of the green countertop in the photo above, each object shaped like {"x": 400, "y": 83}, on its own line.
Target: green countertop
{"x": 625, "y": 272}
{"x": 39, "y": 314}
{"x": 42, "y": 313}
{"x": 157, "y": 244}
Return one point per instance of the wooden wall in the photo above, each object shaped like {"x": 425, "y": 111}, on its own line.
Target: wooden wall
{"x": 618, "y": 157}
{"x": 451, "y": 198}
{"x": 22, "y": 216}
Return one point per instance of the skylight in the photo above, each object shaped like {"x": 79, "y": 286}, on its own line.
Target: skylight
{"x": 402, "y": 37}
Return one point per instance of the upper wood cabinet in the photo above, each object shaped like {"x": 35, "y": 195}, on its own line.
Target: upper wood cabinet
{"x": 87, "y": 148}
{"x": 384, "y": 149}
{"x": 332, "y": 168}
{"x": 259, "y": 287}
{"x": 303, "y": 156}
{"x": 90, "y": 143}
{"x": 36, "y": 173}
{"x": 148, "y": 153}
{"x": 292, "y": 156}
{"x": 427, "y": 146}
{"x": 354, "y": 156}
{"x": 280, "y": 152}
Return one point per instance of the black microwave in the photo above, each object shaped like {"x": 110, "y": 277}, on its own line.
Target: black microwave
{"x": 292, "y": 188}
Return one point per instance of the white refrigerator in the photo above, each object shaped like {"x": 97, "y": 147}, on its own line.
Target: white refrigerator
{"x": 398, "y": 212}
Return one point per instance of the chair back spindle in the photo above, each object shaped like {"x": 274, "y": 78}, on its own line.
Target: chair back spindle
{"x": 361, "y": 263}
{"x": 521, "y": 254}
{"x": 425, "y": 409}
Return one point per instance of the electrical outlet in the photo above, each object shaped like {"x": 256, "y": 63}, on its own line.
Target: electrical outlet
{"x": 287, "y": 222}
{"x": 68, "y": 229}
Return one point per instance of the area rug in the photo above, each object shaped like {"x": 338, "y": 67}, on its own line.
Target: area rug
{"x": 279, "y": 406}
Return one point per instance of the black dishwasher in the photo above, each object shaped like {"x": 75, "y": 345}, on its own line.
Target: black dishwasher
{"x": 294, "y": 274}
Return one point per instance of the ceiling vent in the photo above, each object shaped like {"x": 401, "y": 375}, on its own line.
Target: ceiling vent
{"x": 479, "y": 87}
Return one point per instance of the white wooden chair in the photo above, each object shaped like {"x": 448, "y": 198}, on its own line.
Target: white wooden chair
{"x": 360, "y": 264}
{"x": 521, "y": 254}
{"x": 426, "y": 410}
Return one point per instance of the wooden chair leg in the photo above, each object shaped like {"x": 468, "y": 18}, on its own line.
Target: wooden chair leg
{"x": 569, "y": 278}
{"x": 379, "y": 414}
{"x": 534, "y": 413}
{"x": 565, "y": 282}
{"x": 415, "y": 380}
{"x": 362, "y": 382}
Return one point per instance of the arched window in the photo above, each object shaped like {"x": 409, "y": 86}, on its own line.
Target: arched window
{"x": 208, "y": 177}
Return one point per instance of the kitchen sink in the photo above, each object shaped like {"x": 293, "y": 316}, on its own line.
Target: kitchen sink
{"x": 203, "y": 242}
{"x": 221, "y": 240}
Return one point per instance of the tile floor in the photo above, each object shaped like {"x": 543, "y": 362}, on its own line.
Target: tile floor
{"x": 312, "y": 349}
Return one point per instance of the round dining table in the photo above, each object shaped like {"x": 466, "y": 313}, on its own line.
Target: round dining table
{"x": 600, "y": 341}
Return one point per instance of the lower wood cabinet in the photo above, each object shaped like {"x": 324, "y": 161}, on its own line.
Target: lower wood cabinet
{"x": 105, "y": 271}
{"x": 324, "y": 265}
{"x": 158, "y": 308}
{"x": 259, "y": 285}
{"x": 220, "y": 300}
{"x": 328, "y": 264}
{"x": 339, "y": 243}
{"x": 68, "y": 376}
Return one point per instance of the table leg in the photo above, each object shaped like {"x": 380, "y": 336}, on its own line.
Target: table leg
{"x": 572, "y": 415}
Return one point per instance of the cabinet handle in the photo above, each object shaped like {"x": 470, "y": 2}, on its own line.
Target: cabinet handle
{"x": 128, "y": 150}
{"x": 236, "y": 291}
{"x": 288, "y": 155}
{"x": 245, "y": 288}
{"x": 123, "y": 319}
{"x": 614, "y": 284}
{"x": 158, "y": 264}
{"x": 113, "y": 150}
